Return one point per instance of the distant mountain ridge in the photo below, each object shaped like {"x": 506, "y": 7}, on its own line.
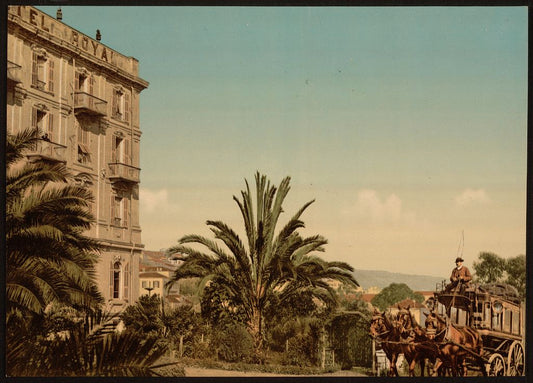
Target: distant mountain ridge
{"x": 381, "y": 279}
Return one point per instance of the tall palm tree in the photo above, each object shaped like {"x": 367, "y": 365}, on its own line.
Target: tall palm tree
{"x": 48, "y": 258}
{"x": 270, "y": 264}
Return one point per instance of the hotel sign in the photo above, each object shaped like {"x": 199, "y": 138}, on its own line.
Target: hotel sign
{"x": 57, "y": 28}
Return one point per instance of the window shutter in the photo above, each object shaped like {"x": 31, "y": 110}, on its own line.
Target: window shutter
{"x": 125, "y": 212}
{"x": 91, "y": 85}
{"x": 50, "y": 75}
{"x": 34, "y": 117}
{"x": 127, "y": 107}
{"x": 111, "y": 279}
{"x": 51, "y": 127}
{"x": 35, "y": 69}
{"x": 112, "y": 218}
{"x": 126, "y": 279}
{"x": 115, "y": 103}
{"x": 77, "y": 82}
{"x": 113, "y": 148}
{"x": 127, "y": 158}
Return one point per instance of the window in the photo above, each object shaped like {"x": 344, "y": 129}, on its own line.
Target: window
{"x": 120, "y": 150}
{"x": 119, "y": 211}
{"x": 507, "y": 320}
{"x": 121, "y": 105}
{"x": 44, "y": 121}
{"x": 42, "y": 72}
{"x": 116, "y": 280}
{"x": 84, "y": 82}
{"x": 496, "y": 321}
{"x": 144, "y": 284}
{"x": 156, "y": 284}
{"x": 515, "y": 326}
{"x": 84, "y": 154}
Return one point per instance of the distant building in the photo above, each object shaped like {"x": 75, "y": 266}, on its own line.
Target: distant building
{"x": 373, "y": 290}
{"x": 84, "y": 98}
{"x": 155, "y": 270}
{"x": 152, "y": 283}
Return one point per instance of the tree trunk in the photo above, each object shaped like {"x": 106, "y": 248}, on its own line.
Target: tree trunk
{"x": 256, "y": 332}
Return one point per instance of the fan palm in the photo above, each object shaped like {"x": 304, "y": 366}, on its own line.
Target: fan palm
{"x": 270, "y": 264}
{"x": 48, "y": 258}
{"x": 116, "y": 354}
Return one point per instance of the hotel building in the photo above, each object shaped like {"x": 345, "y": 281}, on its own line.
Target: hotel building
{"x": 84, "y": 98}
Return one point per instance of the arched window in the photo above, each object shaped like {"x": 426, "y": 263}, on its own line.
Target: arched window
{"x": 116, "y": 280}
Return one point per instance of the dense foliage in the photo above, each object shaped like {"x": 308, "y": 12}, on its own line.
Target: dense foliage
{"x": 125, "y": 354}
{"x": 491, "y": 268}
{"x": 394, "y": 293}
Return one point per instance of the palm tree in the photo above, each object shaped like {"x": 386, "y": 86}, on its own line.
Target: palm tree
{"x": 271, "y": 265}
{"x": 48, "y": 259}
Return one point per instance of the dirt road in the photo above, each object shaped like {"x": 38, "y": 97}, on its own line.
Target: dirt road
{"x": 196, "y": 371}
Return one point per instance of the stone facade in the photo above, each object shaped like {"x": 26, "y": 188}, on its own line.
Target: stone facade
{"x": 84, "y": 98}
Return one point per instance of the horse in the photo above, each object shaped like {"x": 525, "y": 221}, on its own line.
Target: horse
{"x": 455, "y": 344}
{"x": 416, "y": 346}
{"x": 384, "y": 331}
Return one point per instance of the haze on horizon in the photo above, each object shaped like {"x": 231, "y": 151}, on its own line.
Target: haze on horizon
{"x": 408, "y": 125}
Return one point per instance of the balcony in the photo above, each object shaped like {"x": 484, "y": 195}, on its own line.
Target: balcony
{"x": 89, "y": 104}
{"x": 48, "y": 151}
{"x": 41, "y": 85}
{"x": 14, "y": 72}
{"x": 119, "y": 172}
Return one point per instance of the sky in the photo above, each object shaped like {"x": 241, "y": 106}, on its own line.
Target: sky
{"x": 406, "y": 125}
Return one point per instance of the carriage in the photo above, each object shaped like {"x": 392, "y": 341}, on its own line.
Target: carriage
{"x": 495, "y": 311}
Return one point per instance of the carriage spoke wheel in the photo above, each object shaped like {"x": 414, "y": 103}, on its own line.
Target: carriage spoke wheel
{"x": 496, "y": 365}
{"x": 515, "y": 360}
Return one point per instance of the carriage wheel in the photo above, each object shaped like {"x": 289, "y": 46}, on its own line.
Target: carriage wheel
{"x": 496, "y": 365}
{"x": 515, "y": 360}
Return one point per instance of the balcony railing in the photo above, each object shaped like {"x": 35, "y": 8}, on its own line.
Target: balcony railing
{"x": 123, "y": 172}
{"x": 48, "y": 150}
{"x": 41, "y": 85}
{"x": 87, "y": 103}
{"x": 14, "y": 72}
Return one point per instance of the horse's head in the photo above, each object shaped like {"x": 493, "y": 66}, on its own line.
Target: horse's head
{"x": 378, "y": 324}
{"x": 432, "y": 325}
{"x": 403, "y": 319}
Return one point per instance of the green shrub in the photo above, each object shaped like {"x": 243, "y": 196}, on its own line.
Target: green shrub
{"x": 233, "y": 343}
{"x": 301, "y": 353}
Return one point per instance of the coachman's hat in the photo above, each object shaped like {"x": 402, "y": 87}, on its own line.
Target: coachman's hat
{"x": 459, "y": 259}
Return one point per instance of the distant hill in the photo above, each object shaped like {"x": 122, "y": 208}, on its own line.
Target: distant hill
{"x": 381, "y": 279}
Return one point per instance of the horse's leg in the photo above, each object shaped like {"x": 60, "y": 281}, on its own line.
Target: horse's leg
{"x": 437, "y": 366}
{"x": 394, "y": 369}
{"x": 392, "y": 366}
{"x": 453, "y": 363}
{"x": 412, "y": 366}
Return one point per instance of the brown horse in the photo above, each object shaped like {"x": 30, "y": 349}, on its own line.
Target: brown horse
{"x": 456, "y": 344}
{"x": 416, "y": 346}
{"x": 383, "y": 330}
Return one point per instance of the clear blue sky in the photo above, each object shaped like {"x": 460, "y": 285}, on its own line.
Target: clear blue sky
{"x": 408, "y": 125}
